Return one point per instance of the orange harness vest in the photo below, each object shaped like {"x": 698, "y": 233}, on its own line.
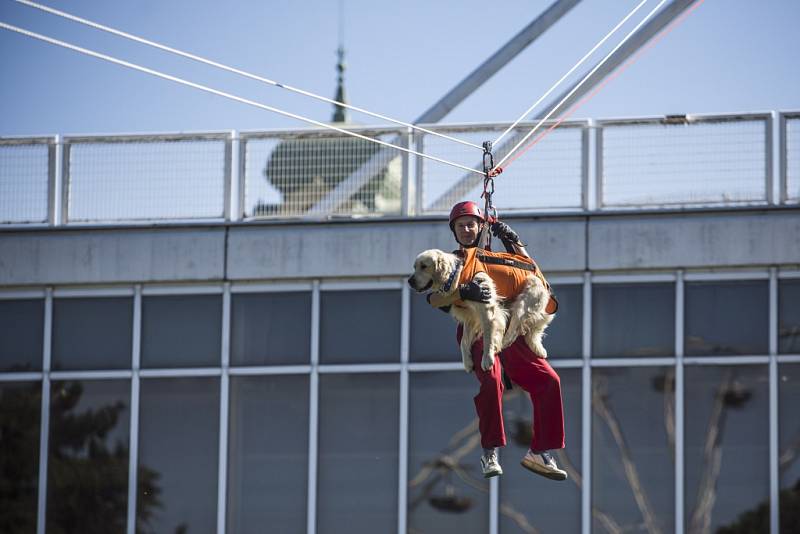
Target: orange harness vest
{"x": 508, "y": 271}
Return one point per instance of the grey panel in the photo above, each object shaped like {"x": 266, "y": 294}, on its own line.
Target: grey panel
{"x": 20, "y": 416}
{"x": 694, "y": 240}
{"x": 789, "y": 316}
{"x": 271, "y": 328}
{"x": 87, "y": 467}
{"x": 633, "y": 440}
{"x": 359, "y": 326}
{"x": 726, "y": 446}
{"x": 111, "y": 255}
{"x": 433, "y": 333}
{"x": 724, "y": 318}
{"x": 560, "y": 510}
{"x": 789, "y": 440}
{"x": 564, "y": 337}
{"x": 381, "y": 249}
{"x": 21, "y": 334}
{"x": 446, "y": 490}
{"x": 633, "y": 320}
{"x": 268, "y": 454}
{"x": 181, "y": 331}
{"x": 92, "y": 333}
{"x": 358, "y": 441}
{"x": 178, "y": 454}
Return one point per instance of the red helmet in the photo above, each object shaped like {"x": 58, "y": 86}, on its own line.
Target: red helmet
{"x": 464, "y": 208}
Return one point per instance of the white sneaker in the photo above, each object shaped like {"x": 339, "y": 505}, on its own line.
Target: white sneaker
{"x": 543, "y": 464}
{"x": 490, "y": 466}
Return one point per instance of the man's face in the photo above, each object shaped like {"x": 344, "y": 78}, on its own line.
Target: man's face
{"x": 467, "y": 228}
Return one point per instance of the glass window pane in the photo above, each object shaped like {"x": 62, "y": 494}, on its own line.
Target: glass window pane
{"x": 564, "y": 337}
{"x": 178, "y": 454}
{"x": 446, "y": 491}
{"x": 360, "y": 326}
{"x": 633, "y": 320}
{"x": 268, "y": 454}
{"x": 633, "y": 444}
{"x": 271, "y": 328}
{"x": 21, "y": 334}
{"x": 20, "y": 416}
{"x": 433, "y": 333}
{"x": 519, "y": 509}
{"x": 87, "y": 467}
{"x": 358, "y": 440}
{"x": 726, "y": 445}
{"x": 789, "y": 317}
{"x": 92, "y": 333}
{"x": 789, "y": 441}
{"x": 726, "y": 318}
{"x": 181, "y": 331}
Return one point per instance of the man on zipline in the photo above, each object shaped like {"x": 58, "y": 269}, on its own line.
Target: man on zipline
{"x": 530, "y": 371}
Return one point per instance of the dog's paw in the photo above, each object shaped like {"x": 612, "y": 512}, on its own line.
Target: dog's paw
{"x": 487, "y": 362}
{"x": 466, "y": 359}
{"x": 468, "y": 365}
{"x": 539, "y": 350}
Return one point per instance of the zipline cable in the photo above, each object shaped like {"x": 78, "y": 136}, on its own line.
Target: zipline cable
{"x": 194, "y": 85}
{"x": 578, "y": 86}
{"x": 671, "y": 26}
{"x": 234, "y": 70}
{"x": 578, "y": 64}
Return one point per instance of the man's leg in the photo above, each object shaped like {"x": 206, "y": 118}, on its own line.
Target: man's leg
{"x": 539, "y": 379}
{"x": 489, "y": 407}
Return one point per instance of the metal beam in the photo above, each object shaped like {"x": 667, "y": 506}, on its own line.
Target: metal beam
{"x": 636, "y": 42}
{"x": 350, "y": 185}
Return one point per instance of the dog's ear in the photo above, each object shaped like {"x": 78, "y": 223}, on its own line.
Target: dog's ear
{"x": 442, "y": 266}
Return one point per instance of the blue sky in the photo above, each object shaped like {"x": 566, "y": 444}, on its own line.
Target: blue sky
{"x": 728, "y": 56}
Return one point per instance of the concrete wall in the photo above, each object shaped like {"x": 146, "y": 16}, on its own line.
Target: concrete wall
{"x": 276, "y": 251}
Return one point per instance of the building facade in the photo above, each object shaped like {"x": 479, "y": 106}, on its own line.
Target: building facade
{"x": 280, "y": 376}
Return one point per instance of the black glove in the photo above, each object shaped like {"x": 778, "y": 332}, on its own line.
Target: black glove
{"x": 508, "y": 236}
{"x": 474, "y": 291}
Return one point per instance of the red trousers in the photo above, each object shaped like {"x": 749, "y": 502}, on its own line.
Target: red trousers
{"x": 532, "y": 374}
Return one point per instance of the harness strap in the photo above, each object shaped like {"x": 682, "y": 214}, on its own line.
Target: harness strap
{"x": 506, "y": 261}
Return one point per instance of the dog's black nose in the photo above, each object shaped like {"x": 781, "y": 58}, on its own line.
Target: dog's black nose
{"x": 411, "y": 282}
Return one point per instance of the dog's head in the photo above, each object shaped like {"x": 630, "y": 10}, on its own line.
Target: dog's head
{"x": 431, "y": 270}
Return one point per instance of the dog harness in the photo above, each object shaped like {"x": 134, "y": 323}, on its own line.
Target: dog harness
{"x": 508, "y": 271}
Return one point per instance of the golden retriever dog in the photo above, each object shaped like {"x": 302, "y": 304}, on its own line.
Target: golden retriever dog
{"x": 499, "y": 321}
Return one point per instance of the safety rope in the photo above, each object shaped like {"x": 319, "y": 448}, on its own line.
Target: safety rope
{"x": 578, "y": 64}
{"x": 230, "y": 96}
{"x": 622, "y": 68}
{"x": 234, "y": 70}
{"x": 580, "y": 84}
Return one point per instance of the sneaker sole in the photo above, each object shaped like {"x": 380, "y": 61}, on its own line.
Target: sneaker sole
{"x": 547, "y": 474}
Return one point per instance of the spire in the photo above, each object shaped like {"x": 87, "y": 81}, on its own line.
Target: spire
{"x": 340, "y": 112}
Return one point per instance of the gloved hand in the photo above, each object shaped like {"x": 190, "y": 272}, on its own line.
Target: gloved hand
{"x": 474, "y": 291}
{"x": 508, "y": 236}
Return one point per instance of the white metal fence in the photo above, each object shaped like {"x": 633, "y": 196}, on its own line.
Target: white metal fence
{"x": 642, "y": 163}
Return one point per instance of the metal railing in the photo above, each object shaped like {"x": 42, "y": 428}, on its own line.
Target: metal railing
{"x": 640, "y": 163}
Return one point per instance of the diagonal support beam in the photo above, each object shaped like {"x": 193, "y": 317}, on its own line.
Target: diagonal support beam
{"x": 647, "y": 32}
{"x": 350, "y": 185}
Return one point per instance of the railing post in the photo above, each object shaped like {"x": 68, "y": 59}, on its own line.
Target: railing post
{"x": 782, "y": 159}
{"x": 769, "y": 154}
{"x": 598, "y": 165}
{"x": 407, "y": 207}
{"x": 418, "y": 175}
{"x": 63, "y": 182}
{"x": 53, "y": 176}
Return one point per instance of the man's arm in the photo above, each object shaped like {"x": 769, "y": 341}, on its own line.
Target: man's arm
{"x": 469, "y": 291}
{"x": 510, "y": 238}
